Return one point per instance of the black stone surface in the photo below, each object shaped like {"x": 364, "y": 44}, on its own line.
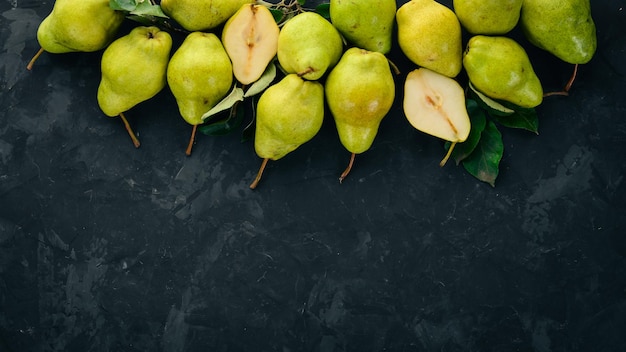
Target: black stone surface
{"x": 104, "y": 247}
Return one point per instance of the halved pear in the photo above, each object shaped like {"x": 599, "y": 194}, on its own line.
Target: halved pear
{"x": 435, "y": 104}
{"x": 250, "y": 38}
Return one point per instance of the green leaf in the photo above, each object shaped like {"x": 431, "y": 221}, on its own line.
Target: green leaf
{"x": 263, "y": 82}
{"x": 224, "y": 126}
{"x": 277, "y": 14}
{"x": 301, "y": 2}
{"x": 478, "y": 121}
{"x": 491, "y": 105}
{"x": 123, "y": 5}
{"x": 145, "y": 8}
{"x": 484, "y": 162}
{"x": 522, "y": 118}
{"x": 233, "y": 97}
{"x": 324, "y": 10}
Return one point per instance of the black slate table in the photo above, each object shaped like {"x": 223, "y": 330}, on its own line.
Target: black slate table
{"x": 104, "y": 247}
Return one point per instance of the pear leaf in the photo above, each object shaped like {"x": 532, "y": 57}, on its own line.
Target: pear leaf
{"x": 324, "y": 10}
{"x": 491, "y": 105}
{"x": 478, "y": 120}
{"x": 145, "y": 8}
{"x": 522, "y": 118}
{"x": 123, "y": 5}
{"x": 224, "y": 126}
{"x": 263, "y": 82}
{"x": 231, "y": 99}
{"x": 484, "y": 161}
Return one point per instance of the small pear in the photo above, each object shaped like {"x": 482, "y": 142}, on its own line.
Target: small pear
{"x": 133, "y": 70}
{"x": 429, "y": 34}
{"x": 77, "y": 26}
{"x": 564, "y": 28}
{"x": 201, "y": 15}
{"x": 250, "y": 38}
{"x": 491, "y": 17}
{"x": 309, "y": 45}
{"x": 368, "y": 24}
{"x": 435, "y": 104}
{"x": 289, "y": 114}
{"x": 199, "y": 75}
{"x": 499, "y": 67}
{"x": 360, "y": 91}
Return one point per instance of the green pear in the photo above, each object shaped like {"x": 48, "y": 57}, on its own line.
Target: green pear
{"x": 309, "y": 45}
{"x": 201, "y": 15}
{"x": 133, "y": 70}
{"x": 289, "y": 114}
{"x": 360, "y": 91}
{"x": 491, "y": 17}
{"x": 199, "y": 75}
{"x": 77, "y": 26}
{"x": 429, "y": 34}
{"x": 499, "y": 67}
{"x": 368, "y": 24}
{"x": 564, "y": 28}
{"x": 250, "y": 38}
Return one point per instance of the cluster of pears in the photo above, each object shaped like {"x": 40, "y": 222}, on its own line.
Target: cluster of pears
{"x": 339, "y": 62}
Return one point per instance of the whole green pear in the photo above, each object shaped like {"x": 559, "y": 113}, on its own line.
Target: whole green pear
{"x": 368, "y": 24}
{"x": 491, "y": 17}
{"x": 429, "y": 34}
{"x": 289, "y": 113}
{"x": 133, "y": 69}
{"x": 499, "y": 67}
{"x": 199, "y": 75}
{"x": 564, "y": 28}
{"x": 78, "y": 26}
{"x": 360, "y": 91}
{"x": 201, "y": 15}
{"x": 309, "y": 45}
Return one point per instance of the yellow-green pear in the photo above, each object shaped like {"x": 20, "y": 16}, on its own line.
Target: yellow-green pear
{"x": 133, "y": 70}
{"x": 499, "y": 67}
{"x": 199, "y": 75}
{"x": 367, "y": 24}
{"x": 309, "y": 45}
{"x": 564, "y": 28}
{"x": 429, "y": 34}
{"x": 491, "y": 17}
{"x": 360, "y": 91}
{"x": 289, "y": 114}
{"x": 201, "y": 15}
{"x": 250, "y": 38}
{"x": 77, "y": 26}
{"x": 435, "y": 104}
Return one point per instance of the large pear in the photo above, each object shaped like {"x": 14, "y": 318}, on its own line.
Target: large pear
{"x": 250, "y": 38}
{"x": 201, "y": 15}
{"x": 360, "y": 91}
{"x": 429, "y": 34}
{"x": 492, "y": 17}
{"x": 367, "y": 24}
{"x": 309, "y": 45}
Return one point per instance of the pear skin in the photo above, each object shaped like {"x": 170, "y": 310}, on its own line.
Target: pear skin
{"x": 490, "y": 17}
{"x": 367, "y": 24}
{"x": 201, "y": 15}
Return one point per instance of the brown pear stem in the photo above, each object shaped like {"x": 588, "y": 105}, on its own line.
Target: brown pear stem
{"x": 191, "y": 140}
{"x": 345, "y": 172}
{"x": 32, "y": 61}
{"x": 259, "y": 174}
{"x": 307, "y": 71}
{"x": 394, "y": 67}
{"x": 568, "y": 86}
{"x": 130, "y": 130}
{"x": 445, "y": 158}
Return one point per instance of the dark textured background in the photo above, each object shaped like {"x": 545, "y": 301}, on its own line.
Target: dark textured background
{"x": 104, "y": 247}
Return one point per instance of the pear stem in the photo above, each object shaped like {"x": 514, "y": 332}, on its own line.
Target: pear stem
{"x": 259, "y": 174}
{"x": 345, "y": 173}
{"x": 394, "y": 67}
{"x": 130, "y": 130}
{"x": 29, "y": 67}
{"x": 445, "y": 158}
{"x": 192, "y": 139}
{"x": 305, "y": 72}
{"x": 568, "y": 86}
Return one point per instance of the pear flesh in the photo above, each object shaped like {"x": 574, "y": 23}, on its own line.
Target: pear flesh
{"x": 201, "y": 15}
{"x": 367, "y": 24}
{"x": 289, "y": 114}
{"x": 499, "y": 67}
{"x": 490, "y": 17}
{"x": 435, "y": 104}
{"x": 429, "y": 34}
{"x": 250, "y": 38}
{"x": 360, "y": 91}
{"x": 309, "y": 45}
{"x": 564, "y": 28}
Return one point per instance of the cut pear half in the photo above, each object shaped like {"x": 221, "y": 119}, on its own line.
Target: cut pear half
{"x": 250, "y": 38}
{"x": 435, "y": 104}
